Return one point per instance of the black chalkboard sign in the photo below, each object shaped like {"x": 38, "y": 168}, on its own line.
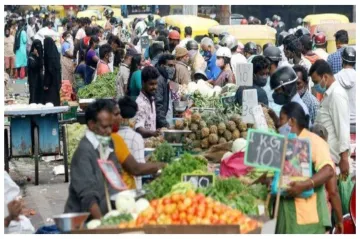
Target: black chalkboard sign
{"x": 228, "y": 100}
{"x": 264, "y": 149}
{"x": 145, "y": 42}
{"x": 199, "y": 180}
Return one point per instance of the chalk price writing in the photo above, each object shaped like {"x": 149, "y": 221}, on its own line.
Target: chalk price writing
{"x": 264, "y": 149}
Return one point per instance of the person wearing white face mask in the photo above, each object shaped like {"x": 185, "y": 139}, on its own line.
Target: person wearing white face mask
{"x": 87, "y": 185}
{"x": 67, "y": 64}
{"x": 223, "y": 61}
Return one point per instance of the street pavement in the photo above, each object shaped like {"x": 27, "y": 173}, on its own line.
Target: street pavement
{"x": 48, "y": 198}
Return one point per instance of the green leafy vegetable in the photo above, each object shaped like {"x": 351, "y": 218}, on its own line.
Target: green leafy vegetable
{"x": 171, "y": 175}
{"x": 164, "y": 153}
{"x": 103, "y": 87}
{"x": 237, "y": 194}
{"x": 125, "y": 217}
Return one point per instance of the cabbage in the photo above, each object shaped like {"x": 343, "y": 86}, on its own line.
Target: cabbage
{"x": 238, "y": 145}
{"x": 125, "y": 204}
{"x": 93, "y": 224}
{"x": 141, "y": 205}
{"x": 113, "y": 213}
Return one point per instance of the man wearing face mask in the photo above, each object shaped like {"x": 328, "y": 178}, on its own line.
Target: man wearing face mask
{"x": 303, "y": 89}
{"x": 283, "y": 83}
{"x": 174, "y": 40}
{"x": 182, "y": 70}
{"x": 87, "y": 185}
{"x": 223, "y": 59}
{"x": 294, "y": 54}
{"x": 250, "y": 51}
{"x": 231, "y": 42}
{"x": 163, "y": 97}
{"x": 261, "y": 73}
{"x": 273, "y": 55}
{"x": 208, "y": 52}
{"x": 105, "y": 58}
{"x": 334, "y": 114}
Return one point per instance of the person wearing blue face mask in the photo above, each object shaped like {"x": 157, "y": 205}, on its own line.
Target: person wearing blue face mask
{"x": 334, "y": 113}
{"x": 208, "y": 52}
{"x": 283, "y": 83}
{"x": 261, "y": 73}
{"x": 273, "y": 55}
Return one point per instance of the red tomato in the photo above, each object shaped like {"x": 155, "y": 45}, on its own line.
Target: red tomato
{"x": 190, "y": 211}
{"x": 182, "y": 216}
{"x": 175, "y": 216}
{"x": 187, "y": 202}
{"x": 175, "y": 198}
{"x": 181, "y": 207}
{"x": 154, "y": 203}
{"x": 166, "y": 201}
{"x": 190, "y": 194}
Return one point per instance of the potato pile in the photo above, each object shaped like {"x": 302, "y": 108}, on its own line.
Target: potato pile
{"x": 208, "y": 130}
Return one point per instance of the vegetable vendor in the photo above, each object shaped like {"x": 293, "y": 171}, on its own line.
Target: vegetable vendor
{"x": 145, "y": 118}
{"x": 129, "y": 145}
{"x": 87, "y": 186}
{"x": 306, "y": 215}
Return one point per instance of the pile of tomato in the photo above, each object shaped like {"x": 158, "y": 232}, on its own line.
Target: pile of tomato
{"x": 192, "y": 209}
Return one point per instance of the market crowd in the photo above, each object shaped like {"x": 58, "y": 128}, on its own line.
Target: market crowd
{"x": 311, "y": 94}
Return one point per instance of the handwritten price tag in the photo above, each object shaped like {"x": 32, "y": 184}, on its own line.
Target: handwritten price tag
{"x": 244, "y": 74}
{"x": 249, "y": 101}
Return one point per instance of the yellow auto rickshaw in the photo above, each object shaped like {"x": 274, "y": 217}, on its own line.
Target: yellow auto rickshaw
{"x": 311, "y": 21}
{"x": 259, "y": 34}
{"x": 331, "y": 29}
{"x": 200, "y": 26}
{"x": 59, "y": 10}
{"x": 100, "y": 20}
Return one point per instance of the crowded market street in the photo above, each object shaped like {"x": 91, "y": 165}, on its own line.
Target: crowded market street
{"x": 180, "y": 119}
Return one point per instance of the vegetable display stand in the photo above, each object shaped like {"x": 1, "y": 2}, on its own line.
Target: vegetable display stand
{"x": 35, "y": 133}
{"x": 167, "y": 229}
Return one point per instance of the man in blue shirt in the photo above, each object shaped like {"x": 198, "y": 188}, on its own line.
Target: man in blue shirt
{"x": 208, "y": 52}
{"x": 334, "y": 60}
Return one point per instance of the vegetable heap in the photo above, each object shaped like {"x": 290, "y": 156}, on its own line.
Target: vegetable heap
{"x": 237, "y": 194}
{"x": 164, "y": 153}
{"x": 171, "y": 175}
{"x": 189, "y": 209}
{"x": 116, "y": 220}
{"x": 103, "y": 87}
{"x": 74, "y": 132}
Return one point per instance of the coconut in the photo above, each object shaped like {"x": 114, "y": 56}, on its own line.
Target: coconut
{"x": 195, "y": 118}
{"x": 236, "y": 118}
{"x": 179, "y": 124}
{"x": 236, "y": 134}
{"x": 213, "y": 129}
{"x": 194, "y": 127}
{"x": 228, "y": 135}
{"x": 242, "y": 127}
{"x": 192, "y": 136}
{"x": 205, "y": 132}
{"x": 205, "y": 143}
{"x": 202, "y": 124}
{"x": 196, "y": 144}
{"x": 213, "y": 138}
{"x": 231, "y": 126}
{"x": 222, "y": 140}
{"x": 221, "y": 128}
{"x": 243, "y": 135}
{"x": 198, "y": 135}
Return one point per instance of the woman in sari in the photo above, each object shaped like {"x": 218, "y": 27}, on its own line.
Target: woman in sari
{"x": 91, "y": 59}
{"x": 67, "y": 64}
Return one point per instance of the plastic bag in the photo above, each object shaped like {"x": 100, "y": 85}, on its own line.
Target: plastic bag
{"x": 234, "y": 166}
{"x": 345, "y": 190}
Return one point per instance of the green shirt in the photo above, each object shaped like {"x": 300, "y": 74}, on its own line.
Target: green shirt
{"x": 135, "y": 84}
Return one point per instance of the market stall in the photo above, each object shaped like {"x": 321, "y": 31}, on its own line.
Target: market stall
{"x": 34, "y": 132}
